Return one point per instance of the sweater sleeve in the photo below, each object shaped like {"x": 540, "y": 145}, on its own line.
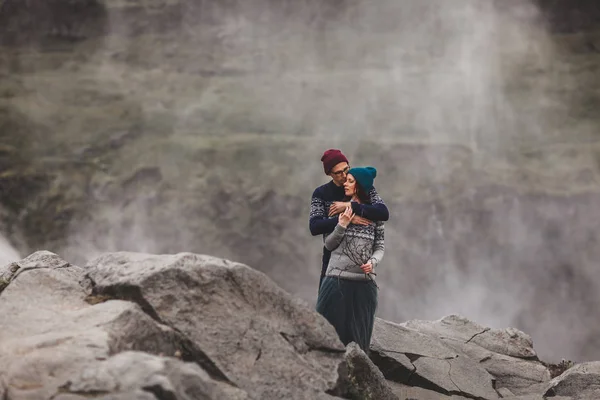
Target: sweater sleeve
{"x": 376, "y": 211}
{"x": 378, "y": 244}
{"x": 319, "y": 222}
{"x": 333, "y": 240}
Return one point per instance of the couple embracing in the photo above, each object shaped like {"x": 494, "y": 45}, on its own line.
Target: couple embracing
{"x": 349, "y": 214}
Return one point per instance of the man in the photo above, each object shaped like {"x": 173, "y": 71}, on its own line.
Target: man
{"x": 327, "y": 202}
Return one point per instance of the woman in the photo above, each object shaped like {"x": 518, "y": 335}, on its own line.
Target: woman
{"x": 348, "y": 294}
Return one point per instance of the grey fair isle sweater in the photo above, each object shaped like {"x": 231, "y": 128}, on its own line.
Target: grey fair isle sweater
{"x": 353, "y": 246}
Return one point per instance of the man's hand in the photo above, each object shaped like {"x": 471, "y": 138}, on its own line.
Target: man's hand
{"x": 338, "y": 207}
{"x": 358, "y": 220}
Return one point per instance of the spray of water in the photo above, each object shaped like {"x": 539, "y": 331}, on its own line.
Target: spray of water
{"x": 8, "y": 253}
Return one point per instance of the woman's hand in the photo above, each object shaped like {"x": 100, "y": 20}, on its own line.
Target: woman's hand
{"x": 367, "y": 268}
{"x": 346, "y": 217}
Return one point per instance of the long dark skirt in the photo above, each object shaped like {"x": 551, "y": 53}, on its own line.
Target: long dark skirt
{"x": 350, "y": 307}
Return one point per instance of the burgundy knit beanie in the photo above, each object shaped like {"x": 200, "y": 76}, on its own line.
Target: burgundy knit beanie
{"x": 331, "y": 158}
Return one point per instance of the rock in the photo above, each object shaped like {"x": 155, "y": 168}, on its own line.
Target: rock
{"x": 417, "y": 359}
{"x": 366, "y": 380}
{"x": 404, "y": 392}
{"x": 49, "y": 333}
{"x": 492, "y": 349}
{"x": 535, "y": 397}
{"x": 581, "y": 381}
{"x": 520, "y": 376}
{"x": 62, "y": 19}
{"x": 252, "y": 330}
{"x": 510, "y": 341}
{"x": 42, "y": 259}
{"x": 186, "y": 326}
{"x": 7, "y": 273}
{"x": 135, "y": 395}
{"x": 504, "y": 392}
{"x": 516, "y": 375}
{"x": 128, "y": 373}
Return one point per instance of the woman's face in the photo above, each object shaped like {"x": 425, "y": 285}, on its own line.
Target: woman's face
{"x": 350, "y": 186}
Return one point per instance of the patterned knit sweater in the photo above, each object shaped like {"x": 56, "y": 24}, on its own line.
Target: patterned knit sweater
{"x": 353, "y": 246}
{"x": 321, "y": 224}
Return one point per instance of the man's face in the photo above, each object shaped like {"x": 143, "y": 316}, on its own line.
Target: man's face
{"x": 339, "y": 173}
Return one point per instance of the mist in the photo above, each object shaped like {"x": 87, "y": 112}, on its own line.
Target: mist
{"x": 8, "y": 253}
{"x": 205, "y": 124}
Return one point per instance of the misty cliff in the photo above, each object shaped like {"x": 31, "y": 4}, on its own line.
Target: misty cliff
{"x": 170, "y": 126}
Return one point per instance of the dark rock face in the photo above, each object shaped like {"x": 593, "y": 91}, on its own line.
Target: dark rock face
{"x": 32, "y": 21}
{"x": 571, "y": 16}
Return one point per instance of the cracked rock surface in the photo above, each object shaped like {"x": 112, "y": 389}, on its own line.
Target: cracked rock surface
{"x": 260, "y": 337}
{"x": 132, "y": 326}
{"x": 582, "y": 381}
{"x": 510, "y": 341}
{"x": 366, "y": 380}
{"x": 457, "y": 357}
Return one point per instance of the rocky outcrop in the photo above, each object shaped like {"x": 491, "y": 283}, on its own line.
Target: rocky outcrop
{"x": 24, "y": 22}
{"x": 191, "y": 325}
{"x": 455, "y": 356}
{"x": 365, "y": 380}
{"x": 417, "y": 359}
{"x": 138, "y": 375}
{"x": 253, "y": 331}
{"x": 188, "y": 326}
{"x": 579, "y": 382}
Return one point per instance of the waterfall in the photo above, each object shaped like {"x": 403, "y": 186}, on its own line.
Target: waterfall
{"x": 8, "y": 253}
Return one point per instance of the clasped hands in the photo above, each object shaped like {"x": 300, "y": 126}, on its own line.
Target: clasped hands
{"x": 340, "y": 207}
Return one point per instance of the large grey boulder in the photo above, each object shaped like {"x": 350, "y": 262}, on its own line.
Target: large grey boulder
{"x": 137, "y": 374}
{"x": 167, "y": 327}
{"x": 262, "y": 339}
{"x": 407, "y": 356}
{"x": 581, "y": 381}
{"x": 536, "y": 397}
{"x": 186, "y": 326}
{"x": 510, "y": 341}
{"x": 49, "y": 333}
{"x": 365, "y": 380}
{"x": 404, "y": 392}
{"x": 508, "y": 354}
{"x": 456, "y": 356}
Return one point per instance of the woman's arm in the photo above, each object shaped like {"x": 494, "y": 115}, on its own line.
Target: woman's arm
{"x": 333, "y": 240}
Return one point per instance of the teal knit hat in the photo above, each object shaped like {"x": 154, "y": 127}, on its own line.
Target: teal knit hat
{"x": 364, "y": 176}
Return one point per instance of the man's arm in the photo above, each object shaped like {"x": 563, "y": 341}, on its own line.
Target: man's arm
{"x": 376, "y": 211}
{"x": 319, "y": 222}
